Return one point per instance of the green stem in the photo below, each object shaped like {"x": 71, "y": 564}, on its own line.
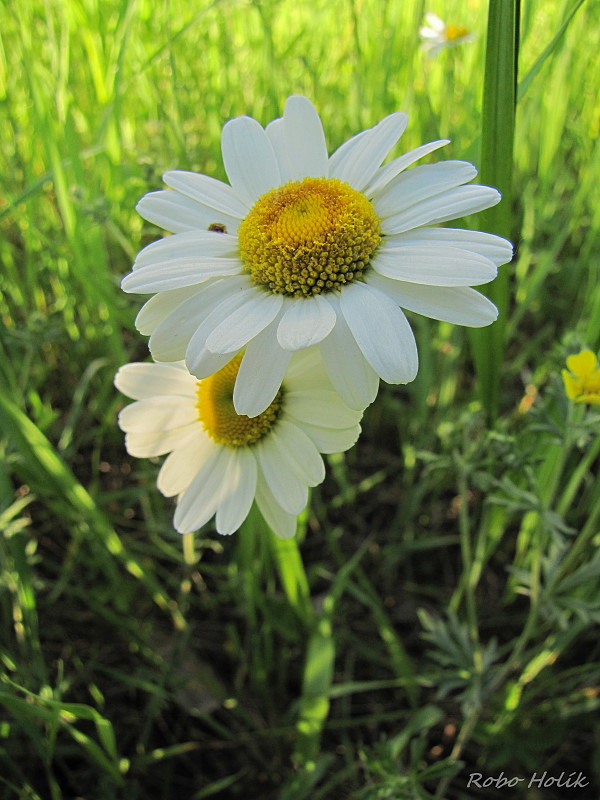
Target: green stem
{"x": 293, "y": 577}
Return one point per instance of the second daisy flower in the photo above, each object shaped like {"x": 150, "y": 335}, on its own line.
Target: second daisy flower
{"x": 219, "y": 461}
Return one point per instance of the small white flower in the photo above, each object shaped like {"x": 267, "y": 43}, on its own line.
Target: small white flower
{"x": 305, "y": 249}
{"x": 436, "y": 35}
{"x": 220, "y": 462}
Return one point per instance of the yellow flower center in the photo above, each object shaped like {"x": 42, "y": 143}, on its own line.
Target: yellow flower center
{"x": 217, "y": 413}
{"x": 308, "y": 236}
{"x": 454, "y": 32}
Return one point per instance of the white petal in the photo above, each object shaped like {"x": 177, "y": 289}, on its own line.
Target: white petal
{"x": 428, "y": 33}
{"x": 304, "y": 139}
{"x": 261, "y": 373}
{"x": 381, "y": 331}
{"x": 148, "y": 444}
{"x": 140, "y": 380}
{"x": 306, "y": 370}
{"x": 437, "y": 265}
{"x": 435, "y": 22}
{"x": 370, "y": 151}
{"x": 281, "y": 523}
{"x": 433, "y": 49}
{"x": 178, "y": 273}
{"x": 200, "y": 361}
{"x": 457, "y": 304}
{"x": 328, "y": 440}
{"x": 187, "y": 245}
{"x": 274, "y": 131}
{"x": 158, "y": 413}
{"x": 299, "y": 451}
{"x": 449, "y": 205}
{"x": 421, "y": 183}
{"x": 170, "y": 339}
{"x": 498, "y": 250}
{"x": 339, "y": 160}
{"x": 204, "y": 362}
{"x": 305, "y": 322}
{"x": 158, "y": 308}
{"x": 289, "y": 492}
{"x": 385, "y": 174}
{"x": 319, "y": 407}
{"x": 246, "y": 321}
{"x": 237, "y": 501}
{"x": 249, "y": 159}
{"x": 349, "y": 371}
{"x": 176, "y": 213}
{"x": 197, "y": 355}
{"x": 203, "y": 496}
{"x": 179, "y": 469}
{"x": 208, "y": 191}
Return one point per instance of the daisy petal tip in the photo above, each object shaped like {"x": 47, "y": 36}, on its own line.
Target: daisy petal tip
{"x": 227, "y": 531}
{"x": 412, "y": 373}
{"x": 305, "y": 323}
{"x": 142, "y": 206}
{"x": 234, "y": 122}
{"x": 191, "y": 365}
{"x": 488, "y": 315}
{"x": 239, "y": 406}
{"x": 494, "y": 195}
{"x": 286, "y": 533}
{"x": 184, "y": 526}
{"x": 408, "y": 374}
{"x": 246, "y": 406}
{"x": 130, "y": 284}
{"x": 299, "y": 100}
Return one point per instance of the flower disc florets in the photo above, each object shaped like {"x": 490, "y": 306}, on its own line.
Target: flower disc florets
{"x": 308, "y": 236}
{"x": 454, "y": 32}
{"x": 217, "y": 413}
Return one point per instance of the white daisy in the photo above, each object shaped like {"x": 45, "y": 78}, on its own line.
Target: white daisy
{"x": 437, "y": 36}
{"x": 220, "y": 462}
{"x": 304, "y": 249}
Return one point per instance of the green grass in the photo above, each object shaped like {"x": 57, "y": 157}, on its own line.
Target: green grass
{"x": 445, "y": 619}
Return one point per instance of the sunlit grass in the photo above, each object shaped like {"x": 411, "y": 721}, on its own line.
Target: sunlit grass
{"x": 451, "y": 564}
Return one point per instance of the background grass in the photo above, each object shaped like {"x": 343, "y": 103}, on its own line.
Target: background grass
{"x": 452, "y": 565}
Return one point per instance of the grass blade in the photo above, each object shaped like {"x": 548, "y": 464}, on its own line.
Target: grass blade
{"x": 497, "y": 136}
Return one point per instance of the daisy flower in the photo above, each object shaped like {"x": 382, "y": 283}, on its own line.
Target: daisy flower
{"x": 437, "y": 36}
{"x": 582, "y": 379}
{"x": 306, "y": 249}
{"x": 219, "y": 461}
